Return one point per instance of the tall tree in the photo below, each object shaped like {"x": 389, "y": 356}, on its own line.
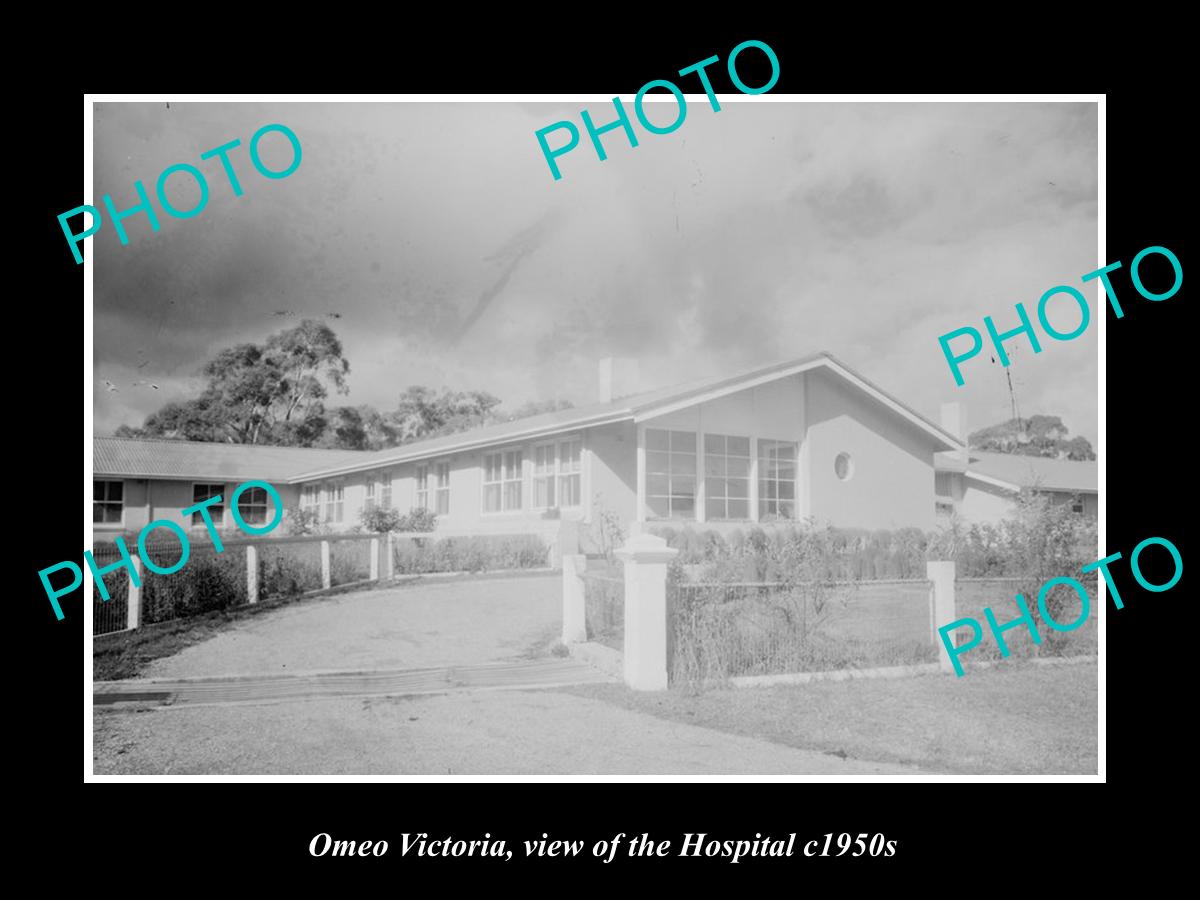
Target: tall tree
{"x": 1034, "y": 436}
{"x": 262, "y": 394}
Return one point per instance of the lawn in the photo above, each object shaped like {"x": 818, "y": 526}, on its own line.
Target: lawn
{"x": 1017, "y": 719}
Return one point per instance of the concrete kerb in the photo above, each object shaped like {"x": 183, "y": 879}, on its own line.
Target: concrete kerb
{"x": 745, "y": 681}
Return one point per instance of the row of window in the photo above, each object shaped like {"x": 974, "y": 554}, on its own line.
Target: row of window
{"x": 672, "y": 477}
{"x": 108, "y": 503}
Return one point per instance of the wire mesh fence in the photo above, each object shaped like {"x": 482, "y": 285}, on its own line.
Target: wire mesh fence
{"x": 112, "y": 615}
{"x": 288, "y": 569}
{"x": 719, "y": 631}
{"x": 604, "y": 603}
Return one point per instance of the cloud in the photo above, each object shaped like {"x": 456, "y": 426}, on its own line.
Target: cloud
{"x": 764, "y": 231}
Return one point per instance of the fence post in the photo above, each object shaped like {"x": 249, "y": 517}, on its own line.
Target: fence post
{"x": 942, "y": 608}
{"x": 389, "y": 561}
{"x": 374, "y": 559}
{"x": 133, "y": 601}
{"x": 574, "y": 615}
{"x": 251, "y": 573}
{"x": 325, "y": 582}
{"x": 645, "y": 557}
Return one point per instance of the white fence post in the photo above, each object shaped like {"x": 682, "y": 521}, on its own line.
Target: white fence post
{"x": 374, "y": 559}
{"x": 942, "y": 611}
{"x": 133, "y": 602}
{"x": 389, "y": 561}
{"x": 645, "y": 557}
{"x": 574, "y": 615}
{"x": 325, "y": 580}
{"x": 251, "y": 573}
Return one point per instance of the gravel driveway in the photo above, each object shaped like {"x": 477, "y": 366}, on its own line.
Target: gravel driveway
{"x": 416, "y": 625}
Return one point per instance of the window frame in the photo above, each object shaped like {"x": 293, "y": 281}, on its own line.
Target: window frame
{"x": 386, "y": 490}
{"x": 106, "y": 502}
{"x": 369, "y": 493}
{"x": 218, "y": 521}
{"x": 421, "y": 486}
{"x": 550, "y": 476}
{"x": 335, "y": 498}
{"x": 670, "y": 474}
{"x": 561, "y": 474}
{"x": 506, "y": 478}
{"x": 768, "y": 444}
{"x": 266, "y": 505}
{"x": 441, "y": 490}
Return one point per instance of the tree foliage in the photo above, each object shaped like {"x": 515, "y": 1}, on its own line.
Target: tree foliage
{"x": 1035, "y": 436}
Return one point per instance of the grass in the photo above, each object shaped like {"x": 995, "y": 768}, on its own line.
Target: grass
{"x": 1016, "y": 719}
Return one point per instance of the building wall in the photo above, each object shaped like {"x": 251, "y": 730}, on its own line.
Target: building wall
{"x": 984, "y": 503}
{"x": 151, "y": 499}
{"x": 891, "y": 484}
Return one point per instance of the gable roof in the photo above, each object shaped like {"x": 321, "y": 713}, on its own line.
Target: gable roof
{"x": 1013, "y": 471}
{"x": 637, "y": 408}
{"x": 151, "y": 458}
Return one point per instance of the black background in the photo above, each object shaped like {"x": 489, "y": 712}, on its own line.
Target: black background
{"x": 953, "y": 835}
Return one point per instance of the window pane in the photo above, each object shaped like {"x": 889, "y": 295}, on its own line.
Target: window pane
{"x": 658, "y": 462}
{"x": 657, "y": 440}
{"x": 570, "y": 491}
{"x": 738, "y": 467}
{"x": 683, "y": 508}
{"x": 715, "y": 487}
{"x": 512, "y": 495}
{"x": 739, "y": 509}
{"x": 787, "y": 470}
{"x": 684, "y": 463}
{"x": 787, "y": 509}
{"x": 683, "y": 440}
{"x": 714, "y": 509}
{"x": 738, "y": 446}
{"x": 737, "y": 487}
{"x": 683, "y": 486}
{"x": 116, "y": 491}
{"x": 768, "y": 490}
{"x": 786, "y": 452}
{"x": 98, "y": 512}
{"x": 714, "y": 443}
{"x": 714, "y": 465}
{"x": 656, "y": 484}
{"x": 98, "y": 490}
{"x": 659, "y": 506}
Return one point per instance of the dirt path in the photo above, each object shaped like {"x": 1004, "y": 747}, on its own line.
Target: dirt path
{"x": 419, "y": 625}
{"x": 480, "y": 733}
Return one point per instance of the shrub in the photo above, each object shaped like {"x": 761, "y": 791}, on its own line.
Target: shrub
{"x": 380, "y": 520}
{"x": 475, "y": 553}
{"x": 297, "y": 521}
{"x": 423, "y": 520}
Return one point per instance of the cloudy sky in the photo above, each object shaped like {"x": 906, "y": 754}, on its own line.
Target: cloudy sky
{"x": 435, "y": 242}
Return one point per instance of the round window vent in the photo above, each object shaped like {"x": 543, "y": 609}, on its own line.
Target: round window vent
{"x": 843, "y": 466}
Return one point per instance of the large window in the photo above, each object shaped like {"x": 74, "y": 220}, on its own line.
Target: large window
{"x": 335, "y": 502}
{"x": 726, "y": 477}
{"x": 570, "y": 467}
{"x": 200, "y": 493}
{"x": 108, "y": 501}
{"x": 671, "y": 473}
{"x": 385, "y": 493}
{"x": 422, "y": 487}
{"x": 776, "y": 479}
{"x": 502, "y": 481}
{"x": 310, "y": 498}
{"x": 442, "y": 494}
{"x": 253, "y": 506}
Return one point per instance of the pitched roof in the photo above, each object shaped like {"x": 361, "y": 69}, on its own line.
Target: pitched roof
{"x": 1016, "y": 471}
{"x": 634, "y": 407}
{"x": 149, "y": 458}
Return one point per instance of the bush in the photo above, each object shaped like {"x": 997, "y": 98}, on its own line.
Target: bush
{"x": 475, "y": 553}
{"x": 297, "y": 521}
{"x": 417, "y": 520}
{"x": 380, "y": 520}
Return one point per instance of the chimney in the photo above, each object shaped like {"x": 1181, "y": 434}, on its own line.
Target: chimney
{"x": 618, "y": 378}
{"x": 954, "y": 420}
